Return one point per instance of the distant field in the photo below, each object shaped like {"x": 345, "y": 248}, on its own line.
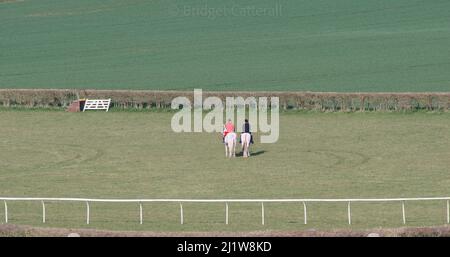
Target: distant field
{"x": 318, "y": 45}
{"x": 136, "y": 155}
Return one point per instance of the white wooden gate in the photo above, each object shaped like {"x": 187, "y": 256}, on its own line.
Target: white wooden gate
{"x": 97, "y": 104}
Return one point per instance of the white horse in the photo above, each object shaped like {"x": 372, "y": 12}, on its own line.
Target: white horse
{"x": 230, "y": 145}
{"x": 245, "y": 141}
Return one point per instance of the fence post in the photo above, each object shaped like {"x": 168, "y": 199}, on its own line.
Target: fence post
{"x": 448, "y": 213}
{"x": 403, "y": 212}
{"x": 304, "y": 212}
{"x": 181, "y": 214}
{"x": 349, "y": 214}
{"x": 6, "y": 212}
{"x": 140, "y": 213}
{"x": 43, "y": 211}
{"x": 226, "y": 213}
{"x": 262, "y": 213}
{"x": 87, "y": 213}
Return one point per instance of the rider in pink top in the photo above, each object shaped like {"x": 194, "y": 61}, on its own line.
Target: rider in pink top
{"x": 228, "y": 128}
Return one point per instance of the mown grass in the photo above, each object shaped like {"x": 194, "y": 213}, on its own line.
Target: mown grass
{"x": 136, "y": 155}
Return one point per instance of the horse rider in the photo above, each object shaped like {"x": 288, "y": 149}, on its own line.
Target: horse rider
{"x": 246, "y": 129}
{"x": 228, "y": 128}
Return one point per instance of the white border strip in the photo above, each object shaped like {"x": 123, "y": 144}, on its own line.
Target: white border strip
{"x": 222, "y": 200}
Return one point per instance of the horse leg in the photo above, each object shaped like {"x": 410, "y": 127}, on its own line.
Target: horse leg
{"x": 245, "y": 147}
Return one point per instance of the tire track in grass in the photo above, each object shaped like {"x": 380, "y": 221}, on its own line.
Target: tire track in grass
{"x": 341, "y": 157}
{"x": 66, "y": 155}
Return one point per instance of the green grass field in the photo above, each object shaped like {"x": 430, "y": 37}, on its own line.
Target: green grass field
{"x": 318, "y": 45}
{"x": 136, "y": 155}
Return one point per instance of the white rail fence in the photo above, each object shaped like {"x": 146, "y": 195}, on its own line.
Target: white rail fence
{"x": 225, "y": 201}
